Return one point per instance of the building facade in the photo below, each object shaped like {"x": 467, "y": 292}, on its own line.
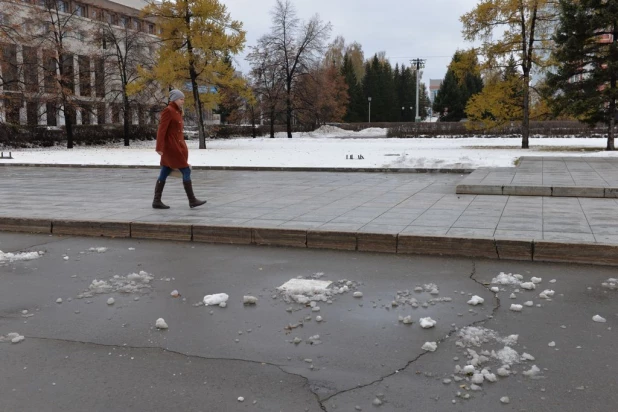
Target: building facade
{"x": 32, "y": 59}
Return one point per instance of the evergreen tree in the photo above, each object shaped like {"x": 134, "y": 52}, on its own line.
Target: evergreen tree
{"x": 464, "y": 81}
{"x": 585, "y": 83}
{"x": 448, "y": 103}
{"x": 356, "y": 105}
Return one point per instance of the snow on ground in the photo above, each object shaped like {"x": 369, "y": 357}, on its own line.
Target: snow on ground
{"x": 327, "y": 147}
{"x": 132, "y": 283}
{"x": 13, "y": 257}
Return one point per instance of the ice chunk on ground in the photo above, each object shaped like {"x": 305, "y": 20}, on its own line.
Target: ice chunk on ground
{"x": 507, "y": 355}
{"x": 17, "y": 339}
{"x": 160, "y": 324}
{"x": 14, "y": 257}
{"x": 527, "y": 357}
{"x": 519, "y": 277}
{"x": 215, "y": 299}
{"x": 12, "y": 337}
{"x": 477, "y": 378}
{"x": 358, "y": 294}
{"x": 98, "y": 249}
{"x": 505, "y": 279}
{"x": 430, "y": 346}
{"x": 534, "y": 371}
{"x": 599, "y": 319}
{"x": 551, "y": 344}
{"x": 427, "y": 323}
{"x": 59, "y": 300}
{"x": 553, "y": 281}
{"x": 513, "y": 296}
{"x": 495, "y": 289}
{"x": 407, "y": 320}
{"x": 249, "y": 300}
{"x": 475, "y": 336}
{"x": 504, "y": 372}
{"x": 489, "y": 377}
{"x": 65, "y": 257}
{"x": 516, "y": 308}
{"x": 529, "y": 303}
{"x": 222, "y": 305}
{"x": 611, "y": 283}
{"x": 546, "y": 294}
{"x": 304, "y": 286}
{"x": 175, "y": 293}
{"x": 476, "y": 300}
{"x": 505, "y": 400}
{"x": 536, "y": 280}
{"x": 469, "y": 369}
{"x": 318, "y": 319}
{"x": 241, "y": 399}
{"x": 110, "y": 301}
{"x": 528, "y": 286}
{"x": 131, "y": 283}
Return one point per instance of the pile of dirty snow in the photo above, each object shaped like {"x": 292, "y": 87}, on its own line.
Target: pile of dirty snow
{"x": 132, "y": 283}
{"x": 303, "y": 291}
{"x": 13, "y": 257}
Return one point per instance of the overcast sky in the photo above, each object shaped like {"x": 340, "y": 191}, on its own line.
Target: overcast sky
{"x": 404, "y": 29}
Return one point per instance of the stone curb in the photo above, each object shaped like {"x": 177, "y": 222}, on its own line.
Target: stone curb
{"x": 546, "y": 191}
{"x": 257, "y": 168}
{"x": 479, "y": 247}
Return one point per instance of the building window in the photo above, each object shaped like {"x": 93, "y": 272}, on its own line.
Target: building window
{"x": 115, "y": 113}
{"x": 85, "y": 112}
{"x": 101, "y": 113}
{"x": 80, "y": 10}
{"x": 84, "y": 75}
{"x": 151, "y": 29}
{"x": 32, "y": 113}
{"x": 31, "y": 66}
{"x": 8, "y": 63}
{"x": 68, "y": 71}
{"x": 63, "y": 6}
{"x": 12, "y": 107}
{"x": 137, "y": 25}
{"x": 49, "y": 68}
{"x": 52, "y": 114}
{"x": 99, "y": 77}
{"x": 124, "y": 21}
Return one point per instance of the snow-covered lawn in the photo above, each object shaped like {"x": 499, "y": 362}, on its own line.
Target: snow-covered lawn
{"x": 328, "y": 147}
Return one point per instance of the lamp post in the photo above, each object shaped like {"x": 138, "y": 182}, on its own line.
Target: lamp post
{"x": 369, "y": 99}
{"x": 419, "y": 63}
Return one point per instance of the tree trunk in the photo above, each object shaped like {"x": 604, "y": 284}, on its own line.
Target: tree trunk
{"x": 272, "y": 124}
{"x": 288, "y": 115}
{"x": 612, "y": 103}
{"x": 198, "y": 108}
{"x": 525, "y": 124}
{"x": 126, "y": 120}
{"x": 68, "y": 122}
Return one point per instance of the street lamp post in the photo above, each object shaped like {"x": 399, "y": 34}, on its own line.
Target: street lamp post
{"x": 369, "y": 99}
{"x": 419, "y": 63}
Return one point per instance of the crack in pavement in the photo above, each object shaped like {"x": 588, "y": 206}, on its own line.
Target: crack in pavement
{"x": 279, "y": 367}
{"x": 56, "y": 240}
{"x": 448, "y": 336}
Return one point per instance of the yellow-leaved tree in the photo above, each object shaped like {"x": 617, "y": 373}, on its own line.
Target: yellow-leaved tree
{"x": 522, "y": 28}
{"x": 197, "y": 38}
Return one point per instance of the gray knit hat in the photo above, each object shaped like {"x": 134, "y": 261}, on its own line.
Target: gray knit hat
{"x": 175, "y": 95}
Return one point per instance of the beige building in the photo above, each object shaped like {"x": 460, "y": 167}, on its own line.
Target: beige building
{"x": 30, "y": 62}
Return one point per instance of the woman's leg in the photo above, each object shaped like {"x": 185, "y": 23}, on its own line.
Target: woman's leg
{"x": 157, "y": 203}
{"x": 186, "y": 174}
{"x": 186, "y": 181}
{"x": 165, "y": 172}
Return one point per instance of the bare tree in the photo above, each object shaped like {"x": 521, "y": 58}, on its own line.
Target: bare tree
{"x": 297, "y": 46}
{"x": 125, "y": 50}
{"x": 268, "y": 80}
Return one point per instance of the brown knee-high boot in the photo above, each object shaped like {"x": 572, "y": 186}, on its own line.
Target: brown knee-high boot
{"x": 193, "y": 202}
{"x": 157, "y": 203}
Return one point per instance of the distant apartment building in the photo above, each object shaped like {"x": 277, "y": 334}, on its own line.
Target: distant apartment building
{"x": 27, "y": 70}
{"x": 434, "y": 86}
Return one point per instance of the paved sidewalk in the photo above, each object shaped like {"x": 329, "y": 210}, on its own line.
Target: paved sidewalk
{"x": 547, "y": 176}
{"x": 351, "y": 204}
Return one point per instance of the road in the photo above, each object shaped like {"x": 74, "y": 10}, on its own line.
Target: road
{"x": 84, "y": 354}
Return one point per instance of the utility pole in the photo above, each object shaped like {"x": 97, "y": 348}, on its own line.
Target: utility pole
{"x": 420, "y": 64}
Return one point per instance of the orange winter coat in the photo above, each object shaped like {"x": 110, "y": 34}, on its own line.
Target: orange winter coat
{"x": 171, "y": 140}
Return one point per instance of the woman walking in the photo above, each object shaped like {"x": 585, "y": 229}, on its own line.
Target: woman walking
{"x": 173, "y": 150}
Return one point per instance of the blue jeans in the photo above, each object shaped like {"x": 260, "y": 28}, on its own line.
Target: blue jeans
{"x": 165, "y": 172}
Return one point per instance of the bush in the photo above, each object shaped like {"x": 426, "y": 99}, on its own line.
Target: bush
{"x": 226, "y": 131}
{"x": 14, "y": 136}
{"x": 459, "y": 129}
